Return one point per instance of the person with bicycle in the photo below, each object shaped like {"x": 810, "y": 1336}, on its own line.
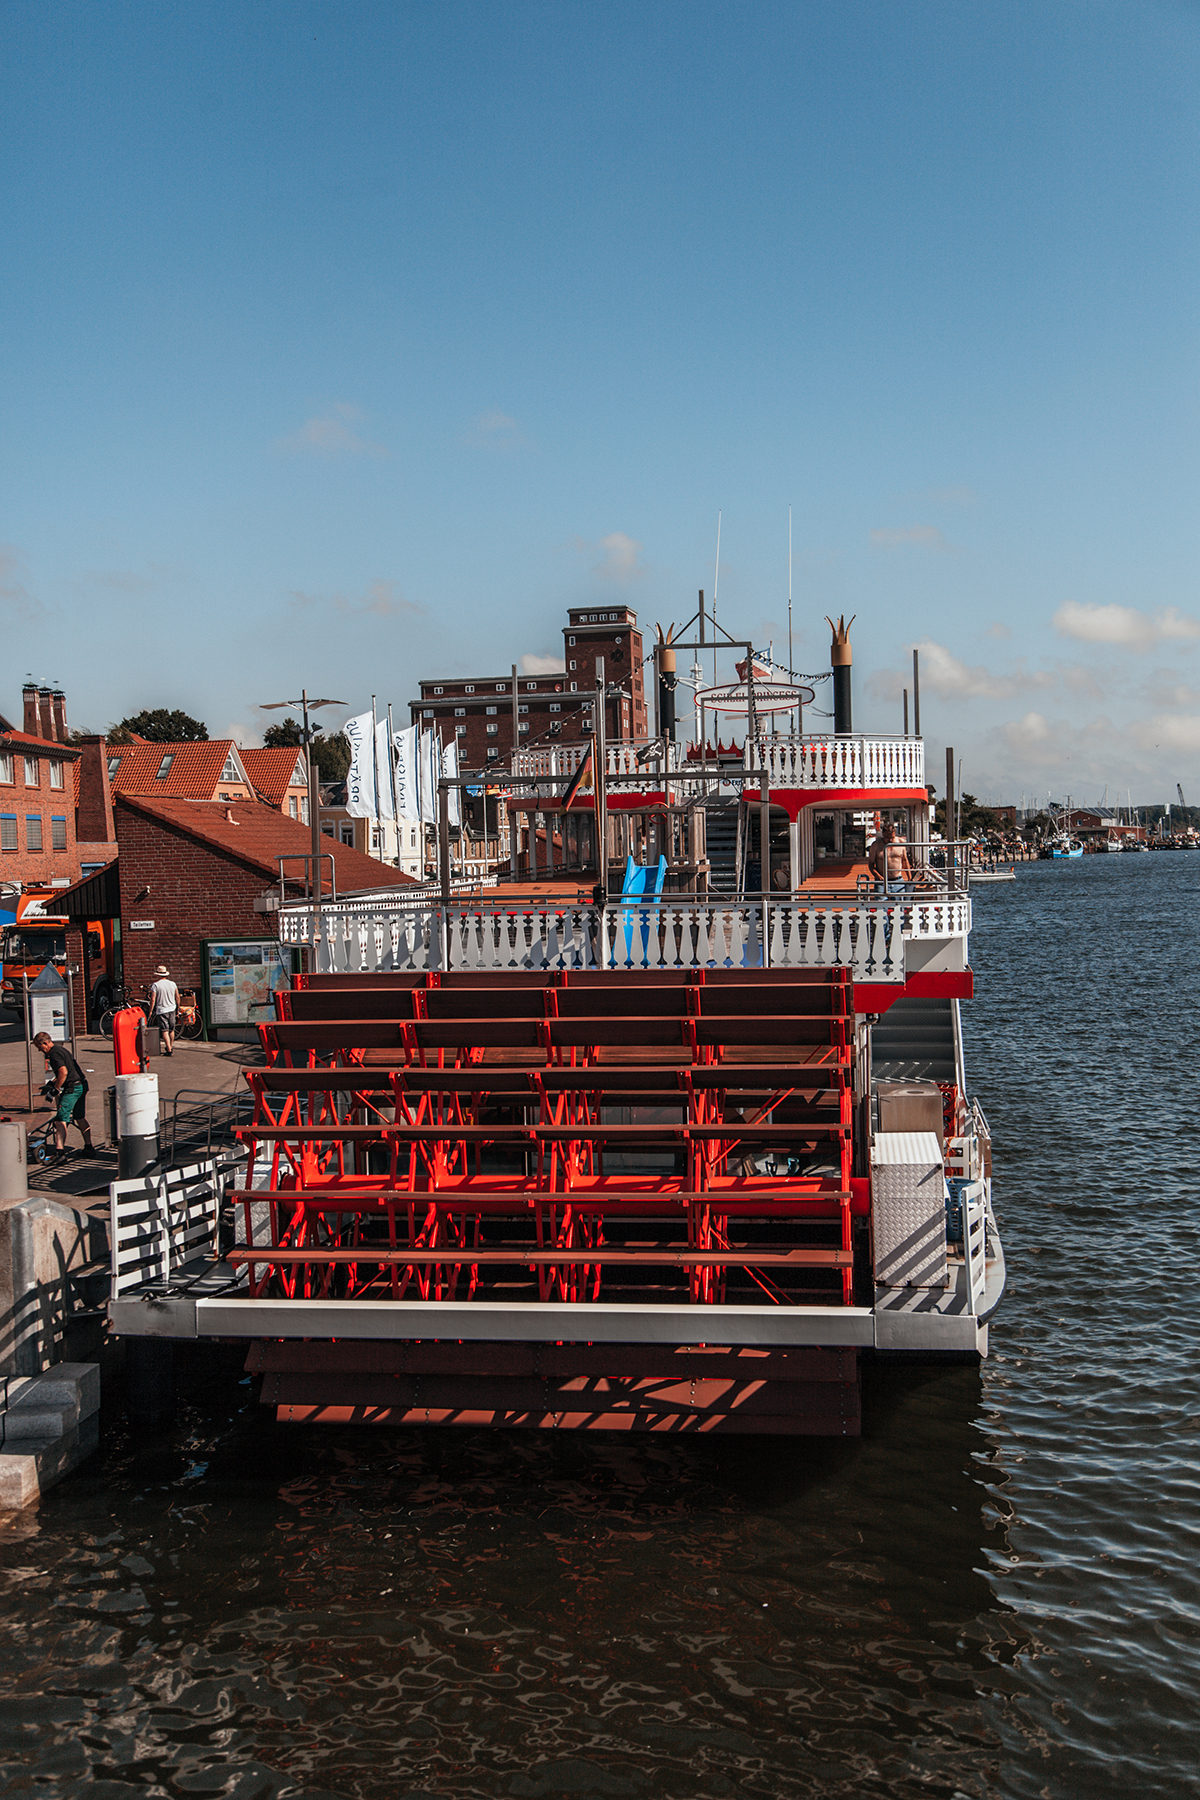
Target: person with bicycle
{"x": 70, "y": 1094}
{"x": 164, "y": 1004}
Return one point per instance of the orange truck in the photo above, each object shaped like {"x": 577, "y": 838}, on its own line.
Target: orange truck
{"x": 39, "y": 935}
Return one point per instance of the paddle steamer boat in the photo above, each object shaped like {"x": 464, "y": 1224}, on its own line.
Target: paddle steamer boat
{"x": 546, "y": 1156}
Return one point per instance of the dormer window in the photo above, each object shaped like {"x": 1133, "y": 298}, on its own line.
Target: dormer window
{"x": 230, "y": 772}
{"x": 165, "y": 766}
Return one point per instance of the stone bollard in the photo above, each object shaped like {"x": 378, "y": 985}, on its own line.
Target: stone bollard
{"x": 14, "y": 1167}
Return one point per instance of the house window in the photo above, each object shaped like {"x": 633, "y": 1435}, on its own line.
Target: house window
{"x": 292, "y": 807}
{"x": 33, "y": 831}
{"x": 555, "y": 728}
{"x": 304, "y": 809}
{"x": 412, "y": 839}
{"x": 347, "y": 833}
{"x": 530, "y": 686}
{"x": 522, "y": 709}
{"x": 8, "y": 831}
{"x": 492, "y": 752}
{"x": 230, "y": 772}
{"x": 460, "y": 712}
{"x": 33, "y": 773}
{"x": 114, "y": 763}
{"x": 502, "y": 687}
{"x": 428, "y": 713}
{"x": 6, "y": 773}
{"x": 460, "y": 731}
{"x": 437, "y": 690}
{"x": 493, "y": 730}
{"x": 618, "y": 637}
{"x": 164, "y": 768}
{"x": 58, "y": 834}
{"x": 470, "y": 688}
{"x": 571, "y": 641}
{"x": 571, "y": 664}
{"x": 56, "y": 773}
{"x": 327, "y": 830}
{"x": 524, "y": 726}
{"x": 574, "y": 684}
{"x": 555, "y": 706}
{"x": 490, "y": 711}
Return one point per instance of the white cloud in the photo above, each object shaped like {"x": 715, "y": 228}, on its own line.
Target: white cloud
{"x": 382, "y": 600}
{"x": 1028, "y": 733}
{"x": 331, "y": 434}
{"x": 944, "y": 674}
{"x": 617, "y": 556}
{"x": 1122, "y": 625}
{"x": 1168, "y": 731}
{"x": 496, "y": 431}
{"x": 927, "y": 537}
{"x": 541, "y": 665}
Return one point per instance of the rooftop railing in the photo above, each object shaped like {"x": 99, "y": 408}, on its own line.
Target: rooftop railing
{"x": 865, "y": 935}
{"x": 826, "y": 760}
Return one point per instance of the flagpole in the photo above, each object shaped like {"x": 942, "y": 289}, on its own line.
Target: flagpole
{"x": 375, "y": 773}
{"x": 791, "y": 676}
{"x": 392, "y": 773}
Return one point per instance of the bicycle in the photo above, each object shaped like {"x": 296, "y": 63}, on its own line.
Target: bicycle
{"x": 121, "y": 1002}
{"x": 189, "y": 1021}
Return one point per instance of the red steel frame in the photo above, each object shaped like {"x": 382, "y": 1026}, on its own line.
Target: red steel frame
{"x": 411, "y": 1072}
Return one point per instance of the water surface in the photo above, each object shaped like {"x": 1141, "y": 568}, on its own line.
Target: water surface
{"x": 993, "y": 1592}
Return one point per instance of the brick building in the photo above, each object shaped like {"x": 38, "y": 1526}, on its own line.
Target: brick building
{"x": 37, "y": 800}
{"x": 551, "y": 709}
{"x": 190, "y": 870}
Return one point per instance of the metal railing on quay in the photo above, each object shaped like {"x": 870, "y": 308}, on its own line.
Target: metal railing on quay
{"x": 201, "y": 1118}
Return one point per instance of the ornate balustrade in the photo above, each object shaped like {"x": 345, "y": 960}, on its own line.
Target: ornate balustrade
{"x": 839, "y": 762}
{"x": 865, "y": 936}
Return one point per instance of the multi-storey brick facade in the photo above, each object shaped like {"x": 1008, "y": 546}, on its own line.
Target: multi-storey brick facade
{"x": 37, "y": 794}
{"x": 551, "y": 709}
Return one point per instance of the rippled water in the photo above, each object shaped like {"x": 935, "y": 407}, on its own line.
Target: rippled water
{"x": 993, "y": 1592}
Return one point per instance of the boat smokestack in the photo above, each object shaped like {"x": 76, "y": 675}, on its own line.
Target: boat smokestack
{"x": 842, "y": 657}
{"x": 664, "y": 656}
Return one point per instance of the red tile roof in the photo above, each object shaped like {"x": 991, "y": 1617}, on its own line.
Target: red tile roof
{"x": 256, "y": 835}
{"x": 194, "y": 773}
{"x": 271, "y": 771}
{"x": 45, "y": 746}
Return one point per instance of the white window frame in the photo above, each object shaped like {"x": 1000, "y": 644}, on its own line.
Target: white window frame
{"x": 56, "y": 772}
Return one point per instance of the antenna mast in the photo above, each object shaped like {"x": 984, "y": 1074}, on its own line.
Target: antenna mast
{"x": 716, "y": 579}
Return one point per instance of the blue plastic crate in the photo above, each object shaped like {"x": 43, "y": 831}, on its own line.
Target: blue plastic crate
{"x": 954, "y": 1209}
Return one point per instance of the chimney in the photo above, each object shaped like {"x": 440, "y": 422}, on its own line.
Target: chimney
{"x": 59, "y": 703}
{"x": 842, "y": 658}
{"x": 94, "y": 814}
{"x": 46, "y": 726}
{"x": 29, "y": 696}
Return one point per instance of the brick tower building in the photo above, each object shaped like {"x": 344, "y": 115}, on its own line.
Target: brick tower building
{"x": 551, "y": 709}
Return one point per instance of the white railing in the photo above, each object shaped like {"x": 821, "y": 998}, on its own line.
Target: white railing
{"x": 867, "y": 937}
{"x": 974, "y": 1204}
{"x": 847, "y": 761}
{"x": 621, "y": 759}
{"x": 163, "y": 1219}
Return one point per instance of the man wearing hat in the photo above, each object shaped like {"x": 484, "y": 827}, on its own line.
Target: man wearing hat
{"x": 164, "y": 1004}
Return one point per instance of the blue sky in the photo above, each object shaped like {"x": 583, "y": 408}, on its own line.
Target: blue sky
{"x": 346, "y": 344}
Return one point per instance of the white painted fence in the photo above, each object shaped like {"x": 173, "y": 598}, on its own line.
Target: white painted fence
{"x": 163, "y": 1219}
{"x": 839, "y": 762}
{"x": 866, "y": 937}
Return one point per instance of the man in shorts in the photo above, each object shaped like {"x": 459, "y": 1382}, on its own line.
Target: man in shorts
{"x": 70, "y": 1093}
{"x": 164, "y": 1004}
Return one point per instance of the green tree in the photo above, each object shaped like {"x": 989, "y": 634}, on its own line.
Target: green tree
{"x": 330, "y": 754}
{"x": 160, "y": 727}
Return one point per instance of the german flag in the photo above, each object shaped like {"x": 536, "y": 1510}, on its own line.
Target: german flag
{"x": 581, "y": 790}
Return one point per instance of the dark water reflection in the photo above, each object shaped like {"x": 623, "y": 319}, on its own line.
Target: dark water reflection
{"x": 991, "y": 1593}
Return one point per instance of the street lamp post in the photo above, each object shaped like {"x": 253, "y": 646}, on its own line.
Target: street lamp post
{"x": 314, "y": 821}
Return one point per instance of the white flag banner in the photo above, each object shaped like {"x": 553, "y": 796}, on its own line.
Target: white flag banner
{"x": 360, "y": 780}
{"x": 408, "y": 804}
{"x": 431, "y": 768}
{"x": 383, "y": 762}
{"x": 450, "y": 768}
